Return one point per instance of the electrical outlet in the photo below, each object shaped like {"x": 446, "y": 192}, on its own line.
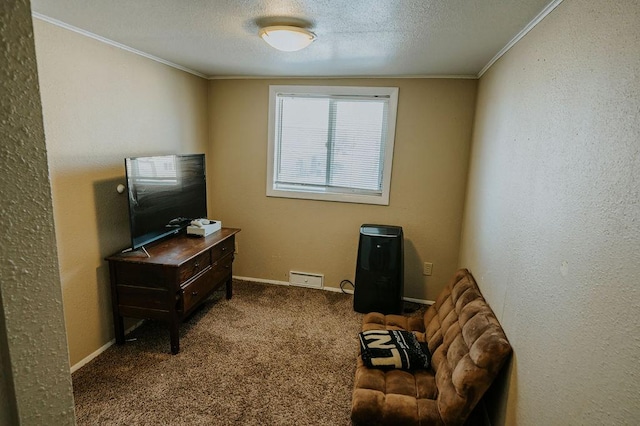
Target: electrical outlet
{"x": 235, "y": 248}
{"x": 427, "y": 268}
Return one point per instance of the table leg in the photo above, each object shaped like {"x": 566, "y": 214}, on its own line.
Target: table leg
{"x": 175, "y": 337}
{"x": 229, "y": 287}
{"x": 118, "y": 325}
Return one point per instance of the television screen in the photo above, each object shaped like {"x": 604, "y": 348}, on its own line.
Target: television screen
{"x": 165, "y": 194}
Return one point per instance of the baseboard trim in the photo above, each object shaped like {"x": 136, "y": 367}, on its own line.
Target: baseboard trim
{"x": 333, "y": 289}
{"x": 338, "y": 290}
{"x": 420, "y": 301}
{"x": 106, "y": 346}
{"x": 261, "y": 280}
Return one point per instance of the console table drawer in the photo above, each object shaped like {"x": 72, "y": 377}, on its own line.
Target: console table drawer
{"x": 224, "y": 248}
{"x": 197, "y": 290}
{"x": 193, "y": 267}
{"x": 201, "y": 287}
{"x": 222, "y": 269}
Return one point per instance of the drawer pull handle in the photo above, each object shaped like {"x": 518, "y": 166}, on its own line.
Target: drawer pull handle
{"x": 224, "y": 248}
{"x": 194, "y": 293}
{"x": 226, "y": 266}
{"x": 197, "y": 265}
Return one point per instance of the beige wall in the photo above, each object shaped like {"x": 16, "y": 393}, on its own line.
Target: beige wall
{"x": 552, "y": 217}
{"x": 102, "y": 104}
{"x": 278, "y": 235}
{"x": 35, "y": 384}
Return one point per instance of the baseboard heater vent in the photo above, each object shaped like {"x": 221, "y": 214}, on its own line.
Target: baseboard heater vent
{"x": 305, "y": 279}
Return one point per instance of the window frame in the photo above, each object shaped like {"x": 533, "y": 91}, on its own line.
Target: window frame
{"x": 322, "y": 193}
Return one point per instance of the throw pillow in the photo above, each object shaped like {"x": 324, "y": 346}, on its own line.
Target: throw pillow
{"x": 393, "y": 349}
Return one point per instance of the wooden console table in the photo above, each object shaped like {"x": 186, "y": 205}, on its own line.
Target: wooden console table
{"x": 179, "y": 275}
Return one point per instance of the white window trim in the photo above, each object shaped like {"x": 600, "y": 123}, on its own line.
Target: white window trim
{"x": 380, "y": 199}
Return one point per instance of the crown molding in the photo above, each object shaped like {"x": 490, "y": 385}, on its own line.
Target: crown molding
{"x": 547, "y": 10}
{"x": 114, "y": 43}
{"x": 336, "y": 77}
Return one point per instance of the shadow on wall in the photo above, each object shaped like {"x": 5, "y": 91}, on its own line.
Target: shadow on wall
{"x": 496, "y": 397}
{"x": 112, "y": 216}
{"x": 413, "y": 281}
{"x": 112, "y": 220}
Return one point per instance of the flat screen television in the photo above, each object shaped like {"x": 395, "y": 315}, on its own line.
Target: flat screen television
{"x": 165, "y": 193}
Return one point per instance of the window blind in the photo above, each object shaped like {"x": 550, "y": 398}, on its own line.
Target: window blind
{"x": 331, "y": 142}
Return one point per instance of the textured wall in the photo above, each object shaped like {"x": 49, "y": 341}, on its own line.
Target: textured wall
{"x": 552, "y": 218}
{"x": 100, "y": 105}
{"x": 35, "y": 381}
{"x": 433, "y": 134}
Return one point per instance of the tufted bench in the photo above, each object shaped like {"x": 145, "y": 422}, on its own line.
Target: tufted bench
{"x": 468, "y": 348}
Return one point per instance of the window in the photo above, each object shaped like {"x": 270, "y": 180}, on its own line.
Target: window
{"x": 331, "y": 143}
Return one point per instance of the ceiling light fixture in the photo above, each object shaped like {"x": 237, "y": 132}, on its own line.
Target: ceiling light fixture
{"x": 287, "y": 38}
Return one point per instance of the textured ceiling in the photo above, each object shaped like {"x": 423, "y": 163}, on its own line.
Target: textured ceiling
{"x": 218, "y": 38}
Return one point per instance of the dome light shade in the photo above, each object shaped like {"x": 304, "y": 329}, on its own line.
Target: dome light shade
{"x": 287, "y": 38}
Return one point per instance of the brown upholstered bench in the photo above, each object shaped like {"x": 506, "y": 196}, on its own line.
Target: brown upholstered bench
{"x": 468, "y": 348}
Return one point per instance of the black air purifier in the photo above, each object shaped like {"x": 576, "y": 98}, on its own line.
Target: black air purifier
{"x": 380, "y": 270}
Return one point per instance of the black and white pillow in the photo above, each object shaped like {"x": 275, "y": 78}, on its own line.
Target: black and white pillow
{"x": 389, "y": 349}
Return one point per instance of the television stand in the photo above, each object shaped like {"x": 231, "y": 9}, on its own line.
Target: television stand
{"x": 130, "y": 249}
{"x": 179, "y": 274}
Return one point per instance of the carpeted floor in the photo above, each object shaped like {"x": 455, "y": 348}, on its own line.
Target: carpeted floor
{"x": 272, "y": 355}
